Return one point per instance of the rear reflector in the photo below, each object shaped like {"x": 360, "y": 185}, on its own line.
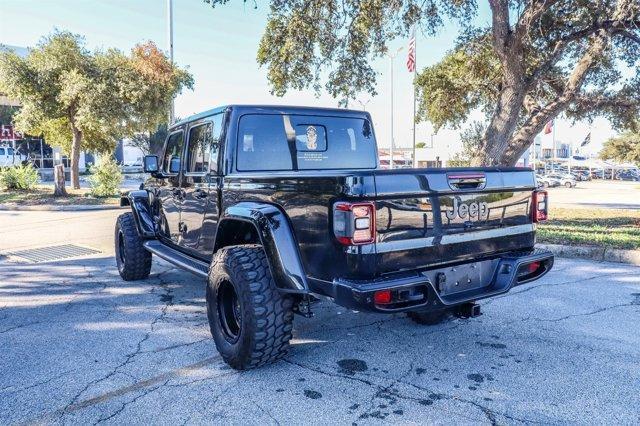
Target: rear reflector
{"x": 382, "y": 297}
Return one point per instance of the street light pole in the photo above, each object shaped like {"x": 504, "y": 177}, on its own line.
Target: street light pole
{"x": 170, "y": 40}
{"x": 391, "y": 57}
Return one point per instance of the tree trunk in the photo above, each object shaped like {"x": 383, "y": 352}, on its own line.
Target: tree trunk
{"x": 501, "y": 128}
{"x": 58, "y": 181}
{"x": 75, "y": 157}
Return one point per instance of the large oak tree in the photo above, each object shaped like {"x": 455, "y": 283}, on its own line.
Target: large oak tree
{"x": 623, "y": 148}
{"x": 534, "y": 60}
{"x": 89, "y": 100}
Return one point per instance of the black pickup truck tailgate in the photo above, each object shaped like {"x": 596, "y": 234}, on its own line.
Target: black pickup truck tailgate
{"x": 429, "y": 217}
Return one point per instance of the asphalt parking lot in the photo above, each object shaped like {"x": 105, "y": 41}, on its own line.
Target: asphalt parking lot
{"x": 79, "y": 345}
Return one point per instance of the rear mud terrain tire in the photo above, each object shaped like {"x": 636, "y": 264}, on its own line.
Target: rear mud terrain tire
{"x": 250, "y": 320}
{"x": 134, "y": 262}
{"x": 429, "y": 317}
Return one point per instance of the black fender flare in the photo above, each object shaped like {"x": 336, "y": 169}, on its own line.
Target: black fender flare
{"x": 277, "y": 239}
{"x": 140, "y": 206}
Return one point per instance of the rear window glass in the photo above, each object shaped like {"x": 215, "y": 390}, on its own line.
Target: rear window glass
{"x": 300, "y": 142}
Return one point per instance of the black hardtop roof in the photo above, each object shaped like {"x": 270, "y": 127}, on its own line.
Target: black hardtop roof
{"x": 281, "y": 109}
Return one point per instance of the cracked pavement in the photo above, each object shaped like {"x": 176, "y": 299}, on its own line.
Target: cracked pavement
{"x": 79, "y": 345}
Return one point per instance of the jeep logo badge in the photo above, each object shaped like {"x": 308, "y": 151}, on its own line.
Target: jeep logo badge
{"x": 472, "y": 210}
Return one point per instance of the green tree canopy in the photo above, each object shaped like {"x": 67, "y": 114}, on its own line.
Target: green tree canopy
{"x": 471, "y": 138}
{"x": 6, "y": 113}
{"x": 151, "y": 142}
{"x": 534, "y": 60}
{"x": 88, "y": 100}
{"x": 624, "y": 148}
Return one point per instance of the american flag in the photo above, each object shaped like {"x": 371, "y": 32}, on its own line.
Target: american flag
{"x": 411, "y": 58}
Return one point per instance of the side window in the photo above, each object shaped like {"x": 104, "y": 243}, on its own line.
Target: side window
{"x": 172, "y": 154}
{"x": 1, "y": 151}
{"x": 215, "y": 148}
{"x": 262, "y": 143}
{"x": 203, "y": 146}
{"x": 199, "y": 148}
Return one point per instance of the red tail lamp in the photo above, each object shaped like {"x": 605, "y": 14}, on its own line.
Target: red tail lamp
{"x": 354, "y": 223}
{"x": 539, "y": 209}
{"x": 382, "y": 297}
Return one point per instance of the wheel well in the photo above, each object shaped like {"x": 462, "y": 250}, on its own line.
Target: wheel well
{"x": 234, "y": 232}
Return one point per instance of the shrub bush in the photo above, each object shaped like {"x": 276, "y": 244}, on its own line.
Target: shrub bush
{"x": 105, "y": 178}
{"x": 24, "y": 177}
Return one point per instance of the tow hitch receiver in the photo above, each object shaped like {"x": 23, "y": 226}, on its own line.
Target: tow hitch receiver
{"x": 468, "y": 310}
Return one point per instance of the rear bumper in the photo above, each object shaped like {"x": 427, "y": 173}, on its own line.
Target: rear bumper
{"x": 437, "y": 289}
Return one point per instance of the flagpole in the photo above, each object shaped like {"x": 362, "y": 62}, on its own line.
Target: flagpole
{"x": 391, "y": 57}
{"x": 393, "y": 147}
{"x": 570, "y": 155}
{"x": 170, "y": 42}
{"x": 553, "y": 137}
{"x": 415, "y": 70}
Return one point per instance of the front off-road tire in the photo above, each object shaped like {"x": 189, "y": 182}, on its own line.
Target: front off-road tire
{"x": 250, "y": 320}
{"x": 429, "y": 317}
{"x": 134, "y": 262}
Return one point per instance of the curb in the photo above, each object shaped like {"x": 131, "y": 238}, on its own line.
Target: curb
{"x": 600, "y": 254}
{"x": 62, "y": 208}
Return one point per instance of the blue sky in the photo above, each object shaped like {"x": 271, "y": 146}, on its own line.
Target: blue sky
{"x": 219, "y": 47}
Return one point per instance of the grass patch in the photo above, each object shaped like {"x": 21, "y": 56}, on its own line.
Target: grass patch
{"x": 609, "y": 228}
{"x": 43, "y": 195}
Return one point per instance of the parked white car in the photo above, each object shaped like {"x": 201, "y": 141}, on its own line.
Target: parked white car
{"x": 565, "y": 179}
{"x": 9, "y": 157}
{"x": 547, "y": 182}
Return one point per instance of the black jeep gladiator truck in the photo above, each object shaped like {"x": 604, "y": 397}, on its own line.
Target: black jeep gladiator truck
{"x": 278, "y": 207}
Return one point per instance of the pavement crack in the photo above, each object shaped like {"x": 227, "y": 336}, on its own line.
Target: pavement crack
{"x": 178, "y": 345}
{"x": 129, "y": 357}
{"x": 164, "y": 377}
{"x": 125, "y": 404}
{"x": 389, "y": 391}
{"x": 16, "y": 327}
{"x": 8, "y": 389}
{"x": 584, "y": 314}
{"x": 267, "y": 412}
{"x": 326, "y": 373}
{"x": 490, "y": 414}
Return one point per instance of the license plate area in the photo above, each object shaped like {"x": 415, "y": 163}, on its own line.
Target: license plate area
{"x": 459, "y": 278}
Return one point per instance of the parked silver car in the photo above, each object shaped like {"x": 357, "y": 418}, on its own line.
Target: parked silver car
{"x": 566, "y": 180}
{"x": 547, "y": 182}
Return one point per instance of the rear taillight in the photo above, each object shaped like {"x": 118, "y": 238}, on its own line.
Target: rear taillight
{"x": 539, "y": 206}
{"x": 354, "y": 223}
{"x": 533, "y": 267}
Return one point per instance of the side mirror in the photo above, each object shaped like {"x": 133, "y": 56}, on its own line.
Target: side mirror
{"x": 150, "y": 164}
